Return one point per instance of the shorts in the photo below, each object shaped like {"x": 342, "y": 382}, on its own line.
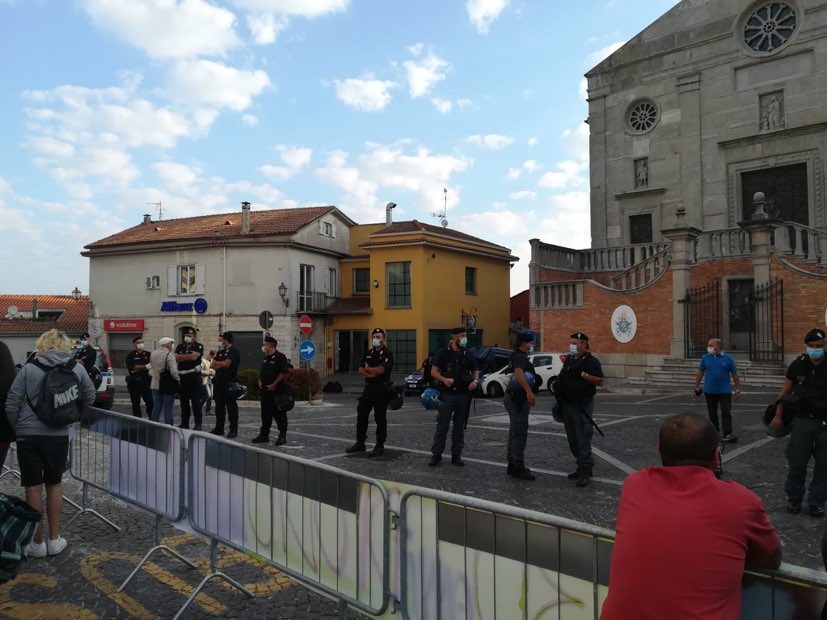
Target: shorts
{"x": 42, "y": 459}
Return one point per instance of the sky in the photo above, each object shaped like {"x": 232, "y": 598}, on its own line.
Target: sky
{"x": 108, "y": 105}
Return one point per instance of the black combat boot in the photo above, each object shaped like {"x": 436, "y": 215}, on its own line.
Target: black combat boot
{"x": 359, "y": 446}
{"x": 521, "y": 472}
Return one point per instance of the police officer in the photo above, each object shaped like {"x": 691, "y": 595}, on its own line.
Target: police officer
{"x": 271, "y": 382}
{"x": 580, "y": 376}
{"x": 225, "y": 364}
{"x": 86, "y": 355}
{"x": 138, "y": 378}
{"x": 518, "y": 402}
{"x": 807, "y": 379}
{"x": 376, "y": 368}
{"x": 456, "y": 374}
{"x": 188, "y": 356}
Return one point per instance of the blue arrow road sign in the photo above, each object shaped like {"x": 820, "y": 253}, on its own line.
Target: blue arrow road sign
{"x": 307, "y": 350}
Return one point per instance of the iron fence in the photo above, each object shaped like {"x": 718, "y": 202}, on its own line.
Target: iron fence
{"x": 766, "y": 308}
{"x": 702, "y": 317}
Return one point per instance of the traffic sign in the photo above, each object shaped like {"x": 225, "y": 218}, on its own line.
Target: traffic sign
{"x": 305, "y": 325}
{"x": 307, "y": 350}
{"x": 265, "y": 319}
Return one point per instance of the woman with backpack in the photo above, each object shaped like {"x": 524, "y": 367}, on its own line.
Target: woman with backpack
{"x": 46, "y": 397}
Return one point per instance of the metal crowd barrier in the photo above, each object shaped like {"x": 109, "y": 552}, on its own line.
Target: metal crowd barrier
{"x": 322, "y": 526}
{"x": 463, "y": 557}
{"x": 135, "y": 460}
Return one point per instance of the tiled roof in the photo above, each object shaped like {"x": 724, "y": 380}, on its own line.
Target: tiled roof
{"x": 411, "y": 226}
{"x": 351, "y": 305}
{"x": 220, "y": 226}
{"x": 75, "y": 317}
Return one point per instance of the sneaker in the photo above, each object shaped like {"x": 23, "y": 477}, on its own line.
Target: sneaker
{"x": 794, "y": 506}
{"x": 232, "y": 434}
{"x": 378, "y": 450}
{"x": 260, "y": 439}
{"x": 435, "y": 460}
{"x": 280, "y": 441}
{"x": 816, "y": 511}
{"x": 37, "y": 550}
{"x": 730, "y": 438}
{"x": 55, "y": 546}
{"x": 357, "y": 447}
{"x": 457, "y": 460}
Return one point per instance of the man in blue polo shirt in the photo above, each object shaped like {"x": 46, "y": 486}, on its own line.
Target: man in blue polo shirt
{"x": 716, "y": 368}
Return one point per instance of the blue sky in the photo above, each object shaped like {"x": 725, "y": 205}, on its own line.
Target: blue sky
{"x": 111, "y": 104}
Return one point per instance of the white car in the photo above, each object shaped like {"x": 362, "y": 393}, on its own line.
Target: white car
{"x": 546, "y": 365}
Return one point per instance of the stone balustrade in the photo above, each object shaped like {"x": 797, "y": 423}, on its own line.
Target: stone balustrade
{"x": 557, "y": 295}
{"x": 802, "y": 242}
{"x": 722, "y": 244}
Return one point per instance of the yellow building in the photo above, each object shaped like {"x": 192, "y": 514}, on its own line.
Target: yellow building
{"x": 417, "y": 281}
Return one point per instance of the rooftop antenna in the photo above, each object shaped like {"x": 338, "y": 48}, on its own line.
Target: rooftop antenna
{"x": 443, "y": 215}
{"x": 157, "y": 204}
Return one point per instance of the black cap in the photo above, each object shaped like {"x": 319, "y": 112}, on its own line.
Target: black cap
{"x": 189, "y": 330}
{"x": 525, "y": 337}
{"x": 137, "y": 338}
{"x": 579, "y": 336}
{"x": 271, "y": 340}
{"x": 378, "y": 330}
{"x": 813, "y": 335}
{"x": 228, "y": 336}
{"x": 84, "y": 335}
{"x": 459, "y": 330}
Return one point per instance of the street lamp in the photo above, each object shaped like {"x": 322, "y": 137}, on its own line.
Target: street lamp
{"x": 283, "y": 294}
{"x": 76, "y": 294}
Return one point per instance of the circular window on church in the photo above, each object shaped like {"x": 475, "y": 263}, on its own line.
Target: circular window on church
{"x": 642, "y": 116}
{"x": 769, "y": 27}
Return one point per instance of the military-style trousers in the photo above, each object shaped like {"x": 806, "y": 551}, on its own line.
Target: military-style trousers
{"x": 139, "y": 390}
{"x": 374, "y": 396}
{"x": 807, "y": 438}
{"x": 579, "y": 431}
{"x": 225, "y": 405}
{"x": 518, "y": 412}
{"x": 453, "y": 406}
{"x": 270, "y": 412}
{"x": 190, "y": 393}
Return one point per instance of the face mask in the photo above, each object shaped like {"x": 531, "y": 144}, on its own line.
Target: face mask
{"x": 264, "y": 350}
{"x": 188, "y": 340}
{"x": 710, "y": 350}
{"x": 530, "y": 350}
{"x": 83, "y": 343}
{"x": 220, "y": 345}
{"x": 463, "y": 342}
{"x": 141, "y": 347}
{"x": 814, "y": 353}
{"x": 572, "y": 348}
{"x": 377, "y": 343}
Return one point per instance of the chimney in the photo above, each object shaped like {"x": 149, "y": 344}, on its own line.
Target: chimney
{"x": 388, "y": 215}
{"x": 245, "y": 218}
{"x": 34, "y": 309}
{"x": 147, "y": 218}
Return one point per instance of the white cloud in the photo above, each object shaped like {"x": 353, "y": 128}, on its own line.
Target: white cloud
{"x": 309, "y": 9}
{"x": 483, "y": 13}
{"x": 364, "y": 94}
{"x": 464, "y": 103}
{"x": 523, "y": 195}
{"x": 265, "y": 27}
{"x": 206, "y": 83}
{"x": 532, "y": 141}
{"x": 513, "y": 174}
{"x": 598, "y": 56}
{"x": 583, "y": 89}
{"x": 168, "y": 28}
{"x": 576, "y": 142}
{"x": 249, "y": 120}
{"x": 443, "y": 106}
{"x": 569, "y": 223}
{"x": 493, "y": 141}
{"x": 424, "y": 73}
{"x": 567, "y": 174}
{"x": 295, "y": 159}
{"x": 416, "y": 48}
{"x": 531, "y": 165}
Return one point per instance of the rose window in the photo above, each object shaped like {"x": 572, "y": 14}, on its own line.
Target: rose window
{"x": 770, "y": 27}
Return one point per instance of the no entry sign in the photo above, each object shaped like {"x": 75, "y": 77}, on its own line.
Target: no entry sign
{"x": 305, "y": 325}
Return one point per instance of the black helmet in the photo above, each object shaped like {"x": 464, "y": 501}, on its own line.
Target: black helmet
{"x": 236, "y": 390}
{"x": 395, "y": 398}
{"x": 285, "y": 402}
{"x": 787, "y": 405}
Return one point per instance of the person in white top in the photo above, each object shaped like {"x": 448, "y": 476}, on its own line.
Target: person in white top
{"x": 164, "y": 388}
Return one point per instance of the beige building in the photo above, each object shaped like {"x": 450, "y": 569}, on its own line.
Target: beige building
{"x": 216, "y": 273}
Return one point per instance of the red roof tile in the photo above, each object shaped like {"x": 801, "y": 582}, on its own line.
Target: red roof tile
{"x": 74, "y": 320}
{"x": 221, "y": 226}
{"x": 417, "y": 226}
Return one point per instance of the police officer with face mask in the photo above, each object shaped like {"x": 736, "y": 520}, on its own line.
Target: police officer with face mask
{"x": 225, "y": 364}
{"x": 456, "y": 374}
{"x": 271, "y": 382}
{"x": 138, "y": 379}
{"x": 376, "y": 368}
{"x": 807, "y": 380}
{"x": 86, "y": 355}
{"x": 188, "y": 356}
{"x": 518, "y": 401}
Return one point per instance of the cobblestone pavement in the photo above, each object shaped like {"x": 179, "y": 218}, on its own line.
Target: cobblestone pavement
{"x": 81, "y": 582}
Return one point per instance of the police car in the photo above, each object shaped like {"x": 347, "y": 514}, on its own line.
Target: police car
{"x": 106, "y": 388}
{"x": 546, "y": 365}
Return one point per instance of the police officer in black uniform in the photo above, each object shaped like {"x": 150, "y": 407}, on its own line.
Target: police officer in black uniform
{"x": 138, "y": 378}
{"x": 456, "y": 374}
{"x": 225, "y": 364}
{"x": 271, "y": 382}
{"x": 86, "y": 355}
{"x": 518, "y": 402}
{"x": 580, "y": 376}
{"x": 376, "y": 368}
{"x": 806, "y": 379}
{"x": 188, "y": 356}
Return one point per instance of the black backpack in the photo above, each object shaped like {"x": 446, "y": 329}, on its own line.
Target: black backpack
{"x": 58, "y": 402}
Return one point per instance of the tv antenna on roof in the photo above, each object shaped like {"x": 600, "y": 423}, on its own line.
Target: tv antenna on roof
{"x": 157, "y": 204}
{"x": 443, "y": 215}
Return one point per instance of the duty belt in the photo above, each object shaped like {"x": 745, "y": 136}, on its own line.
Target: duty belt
{"x": 186, "y": 372}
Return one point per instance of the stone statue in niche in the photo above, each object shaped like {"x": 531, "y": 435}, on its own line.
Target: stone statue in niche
{"x": 642, "y": 173}
{"x": 772, "y": 111}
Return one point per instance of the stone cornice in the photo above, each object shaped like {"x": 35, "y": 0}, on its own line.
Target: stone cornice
{"x": 772, "y": 135}
{"x": 635, "y": 193}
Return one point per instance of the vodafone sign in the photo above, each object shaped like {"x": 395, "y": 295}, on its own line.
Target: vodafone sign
{"x": 123, "y": 325}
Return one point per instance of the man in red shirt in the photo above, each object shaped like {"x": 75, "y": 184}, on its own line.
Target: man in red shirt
{"x": 683, "y": 536}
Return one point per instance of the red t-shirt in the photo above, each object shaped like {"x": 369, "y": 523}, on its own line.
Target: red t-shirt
{"x": 682, "y": 538}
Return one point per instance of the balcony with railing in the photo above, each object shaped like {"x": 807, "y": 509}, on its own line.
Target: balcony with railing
{"x": 312, "y": 302}
{"x": 801, "y": 242}
{"x": 617, "y": 258}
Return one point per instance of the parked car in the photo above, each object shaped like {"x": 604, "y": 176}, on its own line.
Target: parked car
{"x": 415, "y": 382}
{"x": 546, "y": 365}
{"x": 106, "y": 389}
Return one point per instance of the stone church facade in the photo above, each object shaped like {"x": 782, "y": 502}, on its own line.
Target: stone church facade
{"x": 708, "y": 133}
